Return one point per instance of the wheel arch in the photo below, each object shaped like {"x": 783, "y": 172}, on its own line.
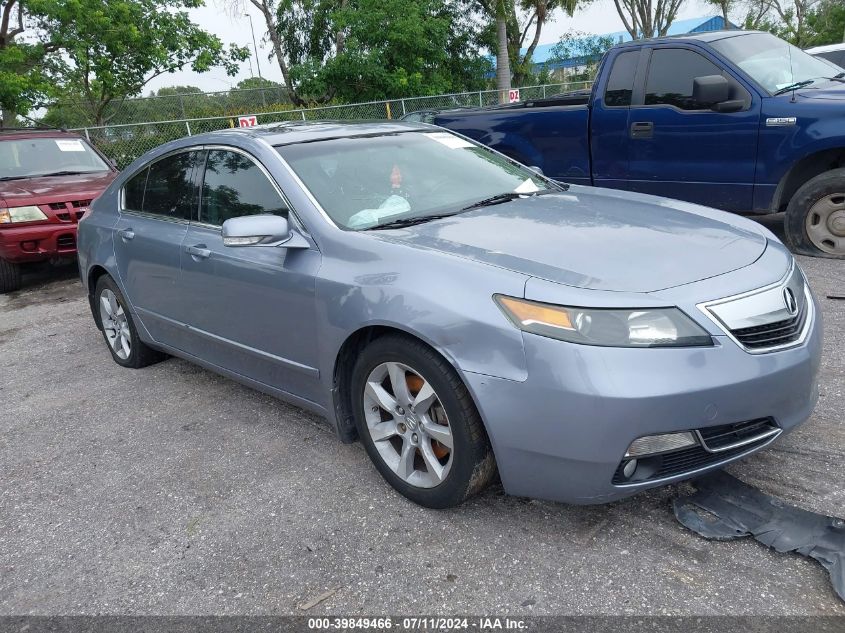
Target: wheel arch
{"x": 344, "y": 364}
{"x": 94, "y": 273}
{"x": 803, "y": 171}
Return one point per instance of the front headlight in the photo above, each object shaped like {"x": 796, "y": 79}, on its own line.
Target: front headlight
{"x": 645, "y": 327}
{"x": 21, "y": 214}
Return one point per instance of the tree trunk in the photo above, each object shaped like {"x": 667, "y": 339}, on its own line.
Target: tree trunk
{"x": 503, "y": 66}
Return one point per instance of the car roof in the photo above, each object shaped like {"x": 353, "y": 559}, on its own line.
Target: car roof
{"x": 704, "y": 36}
{"x": 290, "y": 132}
{"x": 8, "y": 134}
{"x": 826, "y": 49}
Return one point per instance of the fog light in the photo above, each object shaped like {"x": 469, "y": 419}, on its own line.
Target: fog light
{"x": 651, "y": 444}
{"x": 629, "y": 468}
{"x": 29, "y": 246}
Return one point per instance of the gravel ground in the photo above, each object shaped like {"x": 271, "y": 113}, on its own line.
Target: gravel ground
{"x": 171, "y": 490}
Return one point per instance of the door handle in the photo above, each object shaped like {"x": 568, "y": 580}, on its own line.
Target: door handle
{"x": 126, "y": 234}
{"x": 642, "y": 129}
{"x": 198, "y": 251}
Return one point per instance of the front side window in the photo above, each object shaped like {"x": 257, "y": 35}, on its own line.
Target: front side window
{"x": 234, "y": 186}
{"x": 170, "y": 189}
{"x": 671, "y": 75}
{"x": 133, "y": 191}
{"x": 773, "y": 63}
{"x": 620, "y": 84}
{"x": 37, "y": 157}
{"x": 364, "y": 182}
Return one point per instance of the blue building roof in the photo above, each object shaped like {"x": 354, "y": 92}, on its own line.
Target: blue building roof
{"x": 680, "y": 27}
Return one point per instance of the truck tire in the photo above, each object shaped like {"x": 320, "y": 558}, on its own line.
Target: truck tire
{"x": 10, "y": 276}
{"x": 815, "y": 218}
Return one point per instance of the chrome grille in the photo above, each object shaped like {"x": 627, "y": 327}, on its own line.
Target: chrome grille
{"x": 773, "y": 334}
{"x": 767, "y": 319}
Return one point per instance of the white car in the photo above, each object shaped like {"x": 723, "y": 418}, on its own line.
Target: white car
{"x": 833, "y": 53}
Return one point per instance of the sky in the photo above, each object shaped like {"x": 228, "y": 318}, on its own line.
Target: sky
{"x": 216, "y": 17}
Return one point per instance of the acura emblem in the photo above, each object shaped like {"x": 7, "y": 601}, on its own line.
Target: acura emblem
{"x": 789, "y": 301}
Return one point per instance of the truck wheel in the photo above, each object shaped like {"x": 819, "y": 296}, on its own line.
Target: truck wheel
{"x": 815, "y": 218}
{"x": 10, "y": 276}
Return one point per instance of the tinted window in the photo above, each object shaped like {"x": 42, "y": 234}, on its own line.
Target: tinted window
{"x": 133, "y": 191}
{"x": 837, "y": 57}
{"x": 170, "y": 189}
{"x": 234, "y": 185}
{"x": 670, "y": 77}
{"x": 620, "y": 85}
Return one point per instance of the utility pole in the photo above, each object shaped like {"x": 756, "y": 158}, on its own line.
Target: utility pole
{"x": 254, "y": 45}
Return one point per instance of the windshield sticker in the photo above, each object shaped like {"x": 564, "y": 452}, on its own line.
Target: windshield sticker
{"x": 449, "y": 140}
{"x": 74, "y": 145}
{"x": 529, "y": 186}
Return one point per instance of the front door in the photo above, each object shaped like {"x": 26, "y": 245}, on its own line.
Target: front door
{"x": 251, "y": 310}
{"x": 156, "y": 206}
{"x": 682, "y": 149}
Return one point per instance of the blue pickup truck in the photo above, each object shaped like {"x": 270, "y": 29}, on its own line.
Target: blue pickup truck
{"x": 737, "y": 120}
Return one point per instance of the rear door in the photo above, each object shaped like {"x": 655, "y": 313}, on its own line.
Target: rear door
{"x": 682, "y": 149}
{"x": 156, "y": 206}
{"x": 251, "y": 310}
{"x": 609, "y": 121}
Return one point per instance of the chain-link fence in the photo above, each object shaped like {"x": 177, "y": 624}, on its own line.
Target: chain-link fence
{"x": 124, "y": 142}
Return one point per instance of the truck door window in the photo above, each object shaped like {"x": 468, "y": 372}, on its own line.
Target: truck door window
{"x": 671, "y": 74}
{"x": 620, "y": 84}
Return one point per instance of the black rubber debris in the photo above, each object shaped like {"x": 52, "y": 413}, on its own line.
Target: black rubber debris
{"x": 725, "y": 508}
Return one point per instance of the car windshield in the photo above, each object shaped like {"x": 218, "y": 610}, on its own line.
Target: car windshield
{"x": 773, "y": 63}
{"x": 363, "y": 182}
{"x": 33, "y": 157}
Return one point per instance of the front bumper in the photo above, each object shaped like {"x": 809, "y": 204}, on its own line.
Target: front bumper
{"x": 37, "y": 242}
{"x": 562, "y": 433}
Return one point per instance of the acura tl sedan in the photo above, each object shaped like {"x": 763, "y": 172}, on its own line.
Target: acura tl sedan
{"x": 457, "y": 312}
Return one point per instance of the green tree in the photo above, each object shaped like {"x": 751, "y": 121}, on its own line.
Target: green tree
{"x": 826, "y": 23}
{"x": 646, "y": 18}
{"x": 396, "y": 48}
{"x": 23, "y": 80}
{"x": 585, "y": 49}
{"x": 111, "y": 49}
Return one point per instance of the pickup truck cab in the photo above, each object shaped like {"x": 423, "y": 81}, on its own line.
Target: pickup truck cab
{"x": 737, "y": 120}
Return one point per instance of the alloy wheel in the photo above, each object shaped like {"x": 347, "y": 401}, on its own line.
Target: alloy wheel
{"x": 408, "y": 424}
{"x": 115, "y": 324}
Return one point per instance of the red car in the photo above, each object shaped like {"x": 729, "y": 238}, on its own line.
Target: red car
{"x": 48, "y": 178}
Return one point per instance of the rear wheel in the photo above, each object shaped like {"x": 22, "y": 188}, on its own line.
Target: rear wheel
{"x": 118, "y": 328}
{"x": 10, "y": 276}
{"x": 419, "y": 424}
{"x": 815, "y": 218}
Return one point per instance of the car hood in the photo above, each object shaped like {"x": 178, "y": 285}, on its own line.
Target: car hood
{"x": 63, "y": 188}
{"x": 596, "y": 239}
{"x": 831, "y": 92}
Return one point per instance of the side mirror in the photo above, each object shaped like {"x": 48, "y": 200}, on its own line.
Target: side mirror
{"x": 710, "y": 90}
{"x": 261, "y": 230}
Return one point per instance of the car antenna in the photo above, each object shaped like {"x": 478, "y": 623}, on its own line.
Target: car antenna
{"x": 791, "y": 71}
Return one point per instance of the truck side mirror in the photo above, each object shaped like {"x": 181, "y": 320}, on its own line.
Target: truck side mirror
{"x": 710, "y": 90}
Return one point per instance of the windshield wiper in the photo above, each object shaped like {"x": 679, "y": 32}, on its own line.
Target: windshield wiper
{"x": 795, "y": 86}
{"x": 507, "y": 197}
{"x": 5, "y": 178}
{"x": 420, "y": 219}
{"x": 66, "y": 172}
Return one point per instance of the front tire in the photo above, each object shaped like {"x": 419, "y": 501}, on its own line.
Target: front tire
{"x": 10, "y": 276}
{"x": 815, "y": 218}
{"x": 118, "y": 328}
{"x": 419, "y": 424}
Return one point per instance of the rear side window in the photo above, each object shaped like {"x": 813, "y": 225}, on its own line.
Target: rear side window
{"x": 170, "y": 189}
{"x": 234, "y": 185}
{"x": 620, "y": 85}
{"x": 671, "y": 74}
{"x": 133, "y": 191}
